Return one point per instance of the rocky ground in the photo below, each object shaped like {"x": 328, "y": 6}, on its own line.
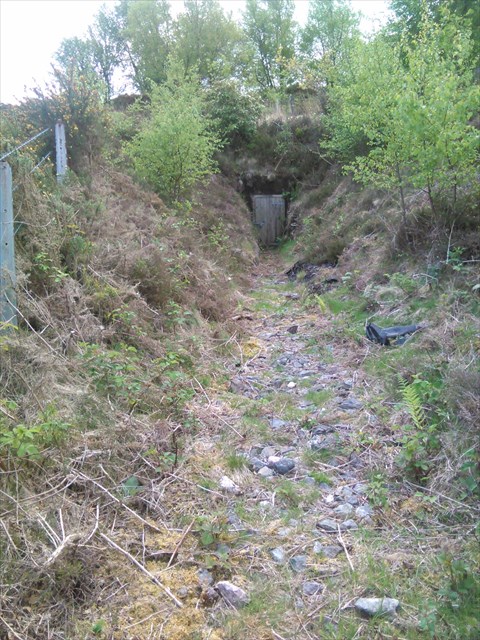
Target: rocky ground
{"x": 278, "y": 521}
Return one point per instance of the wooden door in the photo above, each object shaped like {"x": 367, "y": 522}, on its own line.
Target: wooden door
{"x": 269, "y": 218}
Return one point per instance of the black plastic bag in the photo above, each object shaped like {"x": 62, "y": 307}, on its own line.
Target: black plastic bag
{"x": 391, "y": 335}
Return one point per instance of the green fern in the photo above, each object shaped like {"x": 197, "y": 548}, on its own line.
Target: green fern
{"x": 413, "y": 403}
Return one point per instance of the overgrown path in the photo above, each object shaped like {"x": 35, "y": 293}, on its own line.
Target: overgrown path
{"x": 276, "y": 525}
{"x": 285, "y": 520}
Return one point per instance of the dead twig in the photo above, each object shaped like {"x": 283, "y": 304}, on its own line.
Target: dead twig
{"x": 140, "y": 566}
{"x": 118, "y": 501}
{"x": 180, "y": 542}
{"x": 340, "y": 539}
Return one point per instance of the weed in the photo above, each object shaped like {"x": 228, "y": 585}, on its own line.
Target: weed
{"x": 236, "y": 462}
{"x": 378, "y": 490}
{"x": 27, "y": 441}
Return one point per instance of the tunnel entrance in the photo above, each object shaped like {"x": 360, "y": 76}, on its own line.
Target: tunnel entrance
{"x": 269, "y": 217}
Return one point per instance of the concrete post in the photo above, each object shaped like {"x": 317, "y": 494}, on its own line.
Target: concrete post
{"x": 8, "y": 301}
{"x": 61, "y": 151}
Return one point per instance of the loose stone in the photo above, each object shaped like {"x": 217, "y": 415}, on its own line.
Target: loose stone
{"x": 228, "y": 485}
{"x": 377, "y": 606}
{"x": 344, "y": 509}
{"x": 283, "y": 466}
{"x": 255, "y": 464}
{"x": 276, "y": 423}
{"x": 328, "y": 550}
{"x": 364, "y": 511}
{"x": 291, "y": 385}
{"x": 278, "y": 555}
{"x": 236, "y": 596}
{"x": 349, "y": 524}
{"x": 351, "y": 404}
{"x": 328, "y": 525}
{"x": 265, "y": 472}
{"x": 298, "y": 563}
{"x": 312, "y": 588}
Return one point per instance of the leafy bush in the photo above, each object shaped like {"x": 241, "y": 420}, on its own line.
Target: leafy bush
{"x": 175, "y": 146}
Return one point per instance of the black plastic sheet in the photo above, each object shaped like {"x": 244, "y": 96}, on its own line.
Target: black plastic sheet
{"x": 391, "y": 335}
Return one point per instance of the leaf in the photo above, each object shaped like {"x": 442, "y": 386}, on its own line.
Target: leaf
{"x": 131, "y": 486}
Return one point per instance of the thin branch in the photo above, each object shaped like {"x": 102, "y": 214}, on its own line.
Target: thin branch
{"x": 118, "y": 501}
{"x": 340, "y": 539}
{"x": 180, "y": 542}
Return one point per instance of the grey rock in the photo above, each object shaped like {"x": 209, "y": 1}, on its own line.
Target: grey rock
{"x": 283, "y": 466}
{"x": 277, "y": 383}
{"x": 309, "y": 480}
{"x": 234, "y": 595}
{"x": 349, "y": 525}
{"x": 283, "y": 360}
{"x": 327, "y": 550}
{"x": 228, "y": 485}
{"x": 320, "y": 443}
{"x": 364, "y": 511}
{"x": 284, "y": 532}
{"x": 255, "y": 464}
{"x": 291, "y": 385}
{"x": 353, "y": 500}
{"x": 183, "y": 592}
{"x": 351, "y": 404}
{"x": 276, "y": 423}
{"x": 312, "y": 588}
{"x": 377, "y": 606}
{"x": 267, "y": 452}
{"x": 360, "y": 488}
{"x": 322, "y": 428}
{"x": 328, "y": 525}
{"x": 209, "y": 596}
{"x": 306, "y": 373}
{"x": 293, "y": 329}
{"x": 234, "y": 520}
{"x": 298, "y": 563}
{"x": 265, "y": 472}
{"x": 343, "y": 509}
{"x": 205, "y": 577}
{"x": 278, "y": 555}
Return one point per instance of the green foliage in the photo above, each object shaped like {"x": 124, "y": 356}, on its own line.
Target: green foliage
{"x": 208, "y": 42}
{"x": 456, "y": 604}
{"x": 114, "y": 372}
{"x": 28, "y": 441}
{"x": 420, "y": 441}
{"x": 329, "y": 35}
{"x": 43, "y": 269}
{"x": 175, "y": 146}
{"x": 378, "y": 490}
{"x": 144, "y": 28}
{"x": 270, "y": 28}
{"x": 234, "y": 110}
{"x": 412, "y": 103}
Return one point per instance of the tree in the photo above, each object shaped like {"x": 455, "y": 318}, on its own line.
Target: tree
{"x": 107, "y": 46}
{"x": 331, "y": 29}
{"x": 409, "y": 16}
{"x": 145, "y": 30}
{"x": 413, "y": 103}
{"x": 270, "y": 28}
{"x": 174, "y": 149}
{"x": 234, "y": 110}
{"x": 208, "y": 42}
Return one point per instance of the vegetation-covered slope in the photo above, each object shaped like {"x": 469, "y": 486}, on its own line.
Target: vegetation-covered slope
{"x": 165, "y": 426}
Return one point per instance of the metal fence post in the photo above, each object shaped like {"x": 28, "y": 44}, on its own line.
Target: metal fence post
{"x": 61, "y": 151}
{"x": 8, "y": 301}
